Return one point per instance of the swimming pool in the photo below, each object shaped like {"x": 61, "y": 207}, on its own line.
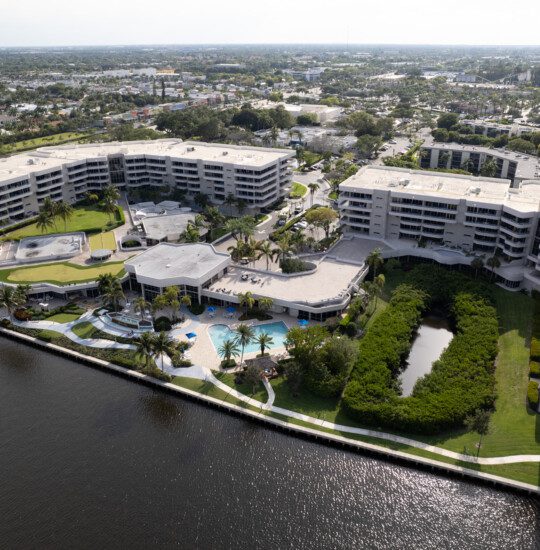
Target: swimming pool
{"x": 278, "y": 331}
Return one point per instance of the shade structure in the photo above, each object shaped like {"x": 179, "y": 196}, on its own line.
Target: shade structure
{"x": 231, "y": 309}
{"x": 191, "y": 335}
{"x": 211, "y": 309}
{"x": 303, "y": 322}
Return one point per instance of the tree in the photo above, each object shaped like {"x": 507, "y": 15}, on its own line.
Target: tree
{"x": 140, "y": 305}
{"x": 378, "y": 283}
{"x": 228, "y": 350}
{"x": 44, "y": 221}
{"x": 375, "y": 261}
{"x": 246, "y": 300}
{"x": 264, "y": 340}
{"x": 65, "y": 212}
{"x": 9, "y": 299}
{"x": 303, "y": 343}
{"x": 321, "y": 217}
{"x": 489, "y": 169}
{"x": 51, "y": 208}
{"x": 252, "y": 377}
{"x": 265, "y": 303}
{"x": 447, "y": 120}
{"x": 477, "y": 264}
{"x": 110, "y": 289}
{"x": 294, "y": 375}
{"x": 201, "y": 200}
{"x": 191, "y": 234}
{"x": 162, "y": 345}
{"x": 110, "y": 197}
{"x": 267, "y": 252}
{"x": 367, "y": 145}
{"x": 21, "y": 294}
{"x": 312, "y": 189}
{"x": 145, "y": 348}
{"x": 479, "y": 423}
{"x": 244, "y": 335}
{"x": 493, "y": 263}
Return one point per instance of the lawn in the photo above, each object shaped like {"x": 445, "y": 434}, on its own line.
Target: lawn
{"x": 228, "y": 378}
{"x": 44, "y": 141}
{"x": 59, "y": 273}
{"x": 297, "y": 190}
{"x": 63, "y": 317}
{"x": 90, "y": 219}
{"x": 102, "y": 240}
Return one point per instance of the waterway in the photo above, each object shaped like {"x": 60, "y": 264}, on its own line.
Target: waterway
{"x": 432, "y": 337}
{"x": 90, "y": 460}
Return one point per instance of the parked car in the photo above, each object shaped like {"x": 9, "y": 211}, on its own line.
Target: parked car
{"x": 301, "y": 225}
{"x": 281, "y": 222}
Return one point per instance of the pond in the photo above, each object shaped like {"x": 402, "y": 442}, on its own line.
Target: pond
{"x": 432, "y": 337}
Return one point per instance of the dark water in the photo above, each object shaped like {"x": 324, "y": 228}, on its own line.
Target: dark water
{"x": 118, "y": 465}
{"x": 432, "y": 337}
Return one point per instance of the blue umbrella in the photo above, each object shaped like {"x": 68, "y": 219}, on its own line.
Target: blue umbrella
{"x": 191, "y": 335}
{"x": 211, "y": 308}
{"x": 231, "y": 309}
{"x": 303, "y": 322}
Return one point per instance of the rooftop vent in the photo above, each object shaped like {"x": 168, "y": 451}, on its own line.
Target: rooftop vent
{"x": 225, "y": 153}
{"x": 190, "y": 149}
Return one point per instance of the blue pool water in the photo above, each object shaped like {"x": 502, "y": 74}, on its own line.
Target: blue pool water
{"x": 278, "y": 331}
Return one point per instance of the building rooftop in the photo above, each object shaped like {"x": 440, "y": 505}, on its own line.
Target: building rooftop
{"x": 160, "y": 227}
{"x": 528, "y": 166}
{"x": 452, "y": 187}
{"x": 50, "y": 157}
{"x": 169, "y": 264}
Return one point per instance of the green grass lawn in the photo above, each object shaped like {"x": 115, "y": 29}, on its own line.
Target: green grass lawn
{"x": 64, "y": 317}
{"x": 85, "y": 218}
{"x": 61, "y": 273}
{"x": 297, "y": 190}
{"x": 102, "y": 240}
{"x": 228, "y": 378}
{"x": 45, "y": 141}
{"x": 84, "y": 329}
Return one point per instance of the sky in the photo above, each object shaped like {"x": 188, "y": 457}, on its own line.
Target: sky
{"x": 124, "y": 22}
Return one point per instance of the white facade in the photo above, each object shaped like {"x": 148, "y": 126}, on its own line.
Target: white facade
{"x": 477, "y": 216}
{"x": 259, "y": 176}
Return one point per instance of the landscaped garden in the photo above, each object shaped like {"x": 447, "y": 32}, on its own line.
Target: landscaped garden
{"x": 61, "y": 273}
{"x": 45, "y": 141}
{"x": 297, "y": 190}
{"x": 105, "y": 240}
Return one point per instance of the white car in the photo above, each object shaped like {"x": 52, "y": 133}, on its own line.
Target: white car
{"x": 301, "y": 225}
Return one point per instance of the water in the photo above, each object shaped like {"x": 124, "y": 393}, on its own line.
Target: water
{"x": 432, "y": 337}
{"x": 119, "y": 465}
{"x": 278, "y": 331}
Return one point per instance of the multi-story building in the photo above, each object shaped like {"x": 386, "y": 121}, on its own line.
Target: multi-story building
{"x": 516, "y": 167}
{"x": 447, "y": 217}
{"x": 259, "y": 176}
{"x": 494, "y": 129}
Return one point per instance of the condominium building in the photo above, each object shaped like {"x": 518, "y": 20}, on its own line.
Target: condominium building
{"x": 495, "y": 129}
{"x": 434, "y": 214}
{"x": 510, "y": 165}
{"x": 259, "y": 176}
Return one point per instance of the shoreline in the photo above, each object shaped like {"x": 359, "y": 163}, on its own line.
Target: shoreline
{"x": 378, "y": 451}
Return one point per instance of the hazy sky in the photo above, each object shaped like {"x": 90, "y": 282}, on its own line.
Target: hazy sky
{"x": 96, "y": 22}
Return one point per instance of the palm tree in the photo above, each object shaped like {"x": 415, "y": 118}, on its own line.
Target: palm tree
{"x": 65, "y": 212}
{"x": 265, "y": 303}
{"x": 284, "y": 246}
{"x": 312, "y": 189}
{"x": 185, "y": 300}
{"x": 162, "y": 345}
{"x": 264, "y": 340}
{"x": 477, "y": 264}
{"x": 267, "y": 252}
{"x": 140, "y": 305}
{"x": 244, "y": 335}
{"x": 9, "y": 300}
{"x": 21, "y": 293}
{"x": 111, "y": 290}
{"x": 110, "y": 198}
{"x": 375, "y": 261}
{"x": 229, "y": 349}
{"x": 191, "y": 234}
{"x": 44, "y": 221}
{"x": 145, "y": 348}
{"x": 230, "y": 201}
{"x": 493, "y": 263}
{"x": 378, "y": 287}
{"x": 247, "y": 300}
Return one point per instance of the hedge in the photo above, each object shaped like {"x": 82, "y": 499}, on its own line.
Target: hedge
{"x": 532, "y": 395}
{"x": 461, "y": 381}
{"x": 534, "y": 368}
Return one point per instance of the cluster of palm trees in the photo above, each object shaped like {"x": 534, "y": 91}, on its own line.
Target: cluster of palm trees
{"x": 493, "y": 263}
{"x": 151, "y": 346}
{"x": 110, "y": 289}
{"x": 170, "y": 298}
{"x": 110, "y": 199}
{"x": 50, "y": 211}
{"x": 248, "y": 301}
{"x": 12, "y": 298}
{"x": 244, "y": 336}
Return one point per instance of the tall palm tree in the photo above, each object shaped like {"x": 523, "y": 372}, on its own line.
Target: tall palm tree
{"x": 140, "y": 305}
{"x": 111, "y": 290}
{"x": 493, "y": 263}
{"x": 244, "y": 335}
{"x": 312, "y": 189}
{"x": 163, "y": 345}
{"x": 191, "y": 234}
{"x": 9, "y": 300}
{"x": 246, "y": 300}
{"x": 51, "y": 208}
{"x": 477, "y": 264}
{"x": 228, "y": 350}
{"x": 378, "y": 287}
{"x": 110, "y": 198}
{"x": 284, "y": 246}
{"x": 21, "y": 293}
{"x": 44, "y": 221}
{"x": 145, "y": 348}
{"x": 265, "y": 303}
{"x": 65, "y": 212}
{"x": 375, "y": 261}
{"x": 264, "y": 340}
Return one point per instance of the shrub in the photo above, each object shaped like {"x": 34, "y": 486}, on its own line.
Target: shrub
{"x": 534, "y": 368}
{"x": 22, "y": 315}
{"x": 532, "y": 395}
{"x": 231, "y": 363}
{"x": 255, "y": 314}
{"x": 535, "y": 348}
{"x": 6, "y": 323}
{"x": 180, "y": 362}
{"x": 350, "y": 329}
{"x": 162, "y": 324}
{"x": 132, "y": 243}
{"x": 196, "y": 309}
{"x": 156, "y": 373}
{"x": 295, "y": 265}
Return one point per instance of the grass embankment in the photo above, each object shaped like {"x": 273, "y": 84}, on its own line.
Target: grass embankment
{"x": 89, "y": 219}
{"x": 45, "y": 141}
{"x": 105, "y": 240}
{"x": 63, "y": 317}
{"x": 246, "y": 389}
{"x": 297, "y": 190}
{"x": 61, "y": 273}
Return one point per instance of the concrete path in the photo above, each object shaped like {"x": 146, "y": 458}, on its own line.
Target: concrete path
{"x": 271, "y": 393}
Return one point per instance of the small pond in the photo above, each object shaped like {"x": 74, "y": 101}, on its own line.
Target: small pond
{"x": 432, "y": 337}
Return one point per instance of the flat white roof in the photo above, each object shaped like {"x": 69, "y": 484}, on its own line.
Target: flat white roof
{"x": 423, "y": 183}
{"x": 159, "y": 227}
{"x": 169, "y": 264}
{"x": 51, "y": 157}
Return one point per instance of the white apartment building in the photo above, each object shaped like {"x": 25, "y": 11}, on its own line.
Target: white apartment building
{"x": 516, "y": 167}
{"x": 260, "y": 176}
{"x": 450, "y": 218}
{"x": 494, "y": 129}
